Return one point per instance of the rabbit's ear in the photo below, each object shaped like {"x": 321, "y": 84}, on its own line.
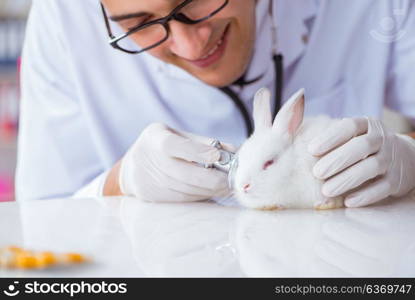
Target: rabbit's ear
{"x": 262, "y": 109}
{"x": 291, "y": 114}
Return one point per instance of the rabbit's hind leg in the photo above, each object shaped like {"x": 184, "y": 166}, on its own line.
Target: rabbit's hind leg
{"x": 271, "y": 207}
{"x": 330, "y": 203}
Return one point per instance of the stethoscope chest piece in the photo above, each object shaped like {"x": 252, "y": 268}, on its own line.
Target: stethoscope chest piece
{"x": 227, "y": 163}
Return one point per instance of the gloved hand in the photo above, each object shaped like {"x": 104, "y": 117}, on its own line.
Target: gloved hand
{"x": 360, "y": 154}
{"x": 161, "y": 166}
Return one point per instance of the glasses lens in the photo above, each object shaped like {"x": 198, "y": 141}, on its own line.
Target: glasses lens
{"x": 199, "y": 9}
{"x": 144, "y": 38}
{"x": 153, "y": 35}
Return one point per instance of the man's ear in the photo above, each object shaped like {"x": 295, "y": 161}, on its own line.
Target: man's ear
{"x": 291, "y": 115}
{"x": 262, "y": 109}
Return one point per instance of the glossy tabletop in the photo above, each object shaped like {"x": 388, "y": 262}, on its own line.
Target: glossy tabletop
{"x": 128, "y": 238}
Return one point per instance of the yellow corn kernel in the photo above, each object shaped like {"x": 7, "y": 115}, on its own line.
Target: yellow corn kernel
{"x": 45, "y": 259}
{"x": 14, "y": 249}
{"x": 25, "y": 261}
{"x": 75, "y": 258}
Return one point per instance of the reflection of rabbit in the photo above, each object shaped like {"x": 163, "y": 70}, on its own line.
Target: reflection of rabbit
{"x": 371, "y": 242}
{"x": 275, "y": 169}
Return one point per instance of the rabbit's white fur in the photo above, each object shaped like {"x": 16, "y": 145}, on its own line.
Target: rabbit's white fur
{"x": 289, "y": 181}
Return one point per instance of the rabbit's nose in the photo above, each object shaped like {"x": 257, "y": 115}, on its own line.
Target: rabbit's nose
{"x": 246, "y": 187}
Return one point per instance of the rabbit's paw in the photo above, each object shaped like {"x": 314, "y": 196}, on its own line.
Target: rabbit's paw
{"x": 329, "y": 203}
{"x": 271, "y": 207}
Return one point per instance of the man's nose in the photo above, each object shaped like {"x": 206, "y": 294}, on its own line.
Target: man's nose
{"x": 189, "y": 41}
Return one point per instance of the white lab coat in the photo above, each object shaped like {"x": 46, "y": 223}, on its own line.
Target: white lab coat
{"x": 84, "y": 103}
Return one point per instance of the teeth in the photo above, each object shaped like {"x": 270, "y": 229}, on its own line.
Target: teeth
{"x": 213, "y": 49}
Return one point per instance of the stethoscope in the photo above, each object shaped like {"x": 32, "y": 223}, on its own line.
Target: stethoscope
{"x": 278, "y": 61}
{"x": 228, "y": 161}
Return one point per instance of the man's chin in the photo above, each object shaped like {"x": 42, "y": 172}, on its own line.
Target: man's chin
{"x": 218, "y": 79}
{"x": 219, "y": 75}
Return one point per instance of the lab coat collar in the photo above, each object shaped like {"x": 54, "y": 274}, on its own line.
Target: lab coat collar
{"x": 291, "y": 18}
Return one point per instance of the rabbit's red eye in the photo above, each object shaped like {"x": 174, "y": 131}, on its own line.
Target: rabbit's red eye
{"x": 267, "y": 164}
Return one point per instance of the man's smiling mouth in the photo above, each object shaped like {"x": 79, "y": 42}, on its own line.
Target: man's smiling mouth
{"x": 214, "y": 54}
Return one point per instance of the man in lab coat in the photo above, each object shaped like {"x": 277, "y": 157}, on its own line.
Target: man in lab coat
{"x": 134, "y": 120}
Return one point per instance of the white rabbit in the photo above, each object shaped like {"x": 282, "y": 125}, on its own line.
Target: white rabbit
{"x": 274, "y": 167}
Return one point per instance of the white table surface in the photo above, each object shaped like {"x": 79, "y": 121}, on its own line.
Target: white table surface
{"x": 129, "y": 238}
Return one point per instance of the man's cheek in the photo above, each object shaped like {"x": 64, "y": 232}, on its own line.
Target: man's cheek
{"x": 162, "y": 53}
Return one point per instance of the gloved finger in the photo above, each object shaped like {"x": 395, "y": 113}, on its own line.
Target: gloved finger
{"x": 371, "y": 193}
{"x": 207, "y": 181}
{"x": 195, "y": 175}
{"x": 175, "y": 145}
{"x": 201, "y": 192}
{"x": 353, "y": 177}
{"x": 178, "y": 186}
{"x": 207, "y": 140}
{"x": 337, "y": 135}
{"x": 229, "y": 147}
{"x": 224, "y": 193}
{"x": 156, "y": 191}
{"x": 347, "y": 155}
{"x": 188, "y": 197}
{"x": 166, "y": 189}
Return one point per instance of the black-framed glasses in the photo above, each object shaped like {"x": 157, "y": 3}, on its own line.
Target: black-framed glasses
{"x": 148, "y": 35}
